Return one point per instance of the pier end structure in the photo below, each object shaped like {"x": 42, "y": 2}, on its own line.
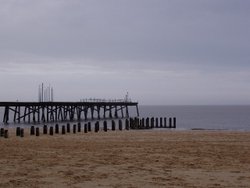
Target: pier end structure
{"x": 33, "y": 112}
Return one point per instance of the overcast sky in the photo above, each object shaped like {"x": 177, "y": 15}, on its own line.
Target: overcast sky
{"x": 160, "y": 51}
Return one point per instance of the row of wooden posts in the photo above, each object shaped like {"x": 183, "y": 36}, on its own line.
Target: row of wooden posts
{"x": 132, "y": 123}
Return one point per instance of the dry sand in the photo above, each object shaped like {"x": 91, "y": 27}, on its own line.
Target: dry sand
{"x": 127, "y": 159}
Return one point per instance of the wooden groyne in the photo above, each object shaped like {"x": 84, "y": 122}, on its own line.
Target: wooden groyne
{"x": 112, "y": 125}
{"x": 33, "y": 112}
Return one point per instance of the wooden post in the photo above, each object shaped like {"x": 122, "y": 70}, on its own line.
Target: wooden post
{"x": 136, "y": 120}
{"x": 161, "y": 125}
{"x": 147, "y": 123}
{"x": 32, "y": 130}
{"x": 85, "y": 128}
{"x": 68, "y": 127}
{"x": 139, "y": 123}
{"x": 22, "y": 132}
{"x": 120, "y": 125}
{"x": 105, "y": 127}
{"x": 165, "y": 122}
{"x": 113, "y": 125}
{"x": 79, "y": 127}
{"x": 89, "y": 126}
{"x": 18, "y": 131}
{"x": 37, "y": 131}
{"x": 57, "y": 129}
{"x": 1, "y": 132}
{"x": 74, "y": 128}
{"x": 51, "y": 131}
{"x": 152, "y": 122}
{"x": 131, "y": 122}
{"x": 45, "y": 129}
{"x": 127, "y": 124}
{"x": 6, "y": 134}
{"x": 63, "y": 129}
{"x": 174, "y": 119}
{"x": 97, "y": 126}
{"x": 156, "y": 122}
{"x": 170, "y": 123}
{"x": 143, "y": 122}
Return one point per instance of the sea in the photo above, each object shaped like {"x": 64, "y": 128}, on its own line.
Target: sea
{"x": 189, "y": 117}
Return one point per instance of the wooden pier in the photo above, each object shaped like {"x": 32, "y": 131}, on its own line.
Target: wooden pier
{"x": 33, "y": 112}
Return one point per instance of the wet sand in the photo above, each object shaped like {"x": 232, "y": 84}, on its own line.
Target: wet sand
{"x": 127, "y": 159}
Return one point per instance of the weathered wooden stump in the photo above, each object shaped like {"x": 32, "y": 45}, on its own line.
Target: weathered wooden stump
{"x": 22, "y": 132}
{"x": 74, "y": 128}
{"x": 143, "y": 122}
{"x": 165, "y": 122}
{"x": 79, "y": 127}
{"x": 137, "y": 123}
{"x": 63, "y": 129}
{"x": 89, "y": 126}
{"x": 32, "y": 130}
{"x": 68, "y": 127}
{"x": 97, "y": 126}
{"x": 1, "y": 132}
{"x": 113, "y": 125}
{"x": 57, "y": 129}
{"x": 131, "y": 123}
{"x": 6, "y": 134}
{"x": 45, "y": 129}
{"x": 51, "y": 131}
{"x": 85, "y": 128}
{"x": 174, "y": 122}
{"x": 18, "y": 131}
{"x": 37, "y": 131}
{"x": 127, "y": 124}
{"x": 120, "y": 125}
{"x": 170, "y": 122}
{"x": 105, "y": 126}
{"x": 147, "y": 123}
{"x": 152, "y": 122}
{"x": 156, "y": 122}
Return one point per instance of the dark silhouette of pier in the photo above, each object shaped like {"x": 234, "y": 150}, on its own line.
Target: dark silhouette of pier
{"x": 32, "y": 112}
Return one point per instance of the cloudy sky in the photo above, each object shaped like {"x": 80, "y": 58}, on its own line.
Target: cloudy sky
{"x": 160, "y": 51}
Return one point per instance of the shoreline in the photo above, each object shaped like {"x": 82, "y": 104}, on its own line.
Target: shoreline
{"x": 12, "y": 130}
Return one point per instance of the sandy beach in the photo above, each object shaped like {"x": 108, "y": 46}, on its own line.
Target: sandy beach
{"x": 127, "y": 159}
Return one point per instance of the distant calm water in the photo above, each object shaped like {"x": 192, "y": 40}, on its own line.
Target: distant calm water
{"x": 204, "y": 117}
{"x": 201, "y": 117}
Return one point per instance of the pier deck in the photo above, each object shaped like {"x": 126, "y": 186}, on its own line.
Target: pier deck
{"x": 64, "y": 111}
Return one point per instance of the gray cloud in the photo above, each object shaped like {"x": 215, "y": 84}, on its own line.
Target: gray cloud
{"x": 179, "y": 48}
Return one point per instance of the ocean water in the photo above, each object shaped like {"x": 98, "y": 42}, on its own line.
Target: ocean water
{"x": 194, "y": 117}
{"x": 203, "y": 117}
